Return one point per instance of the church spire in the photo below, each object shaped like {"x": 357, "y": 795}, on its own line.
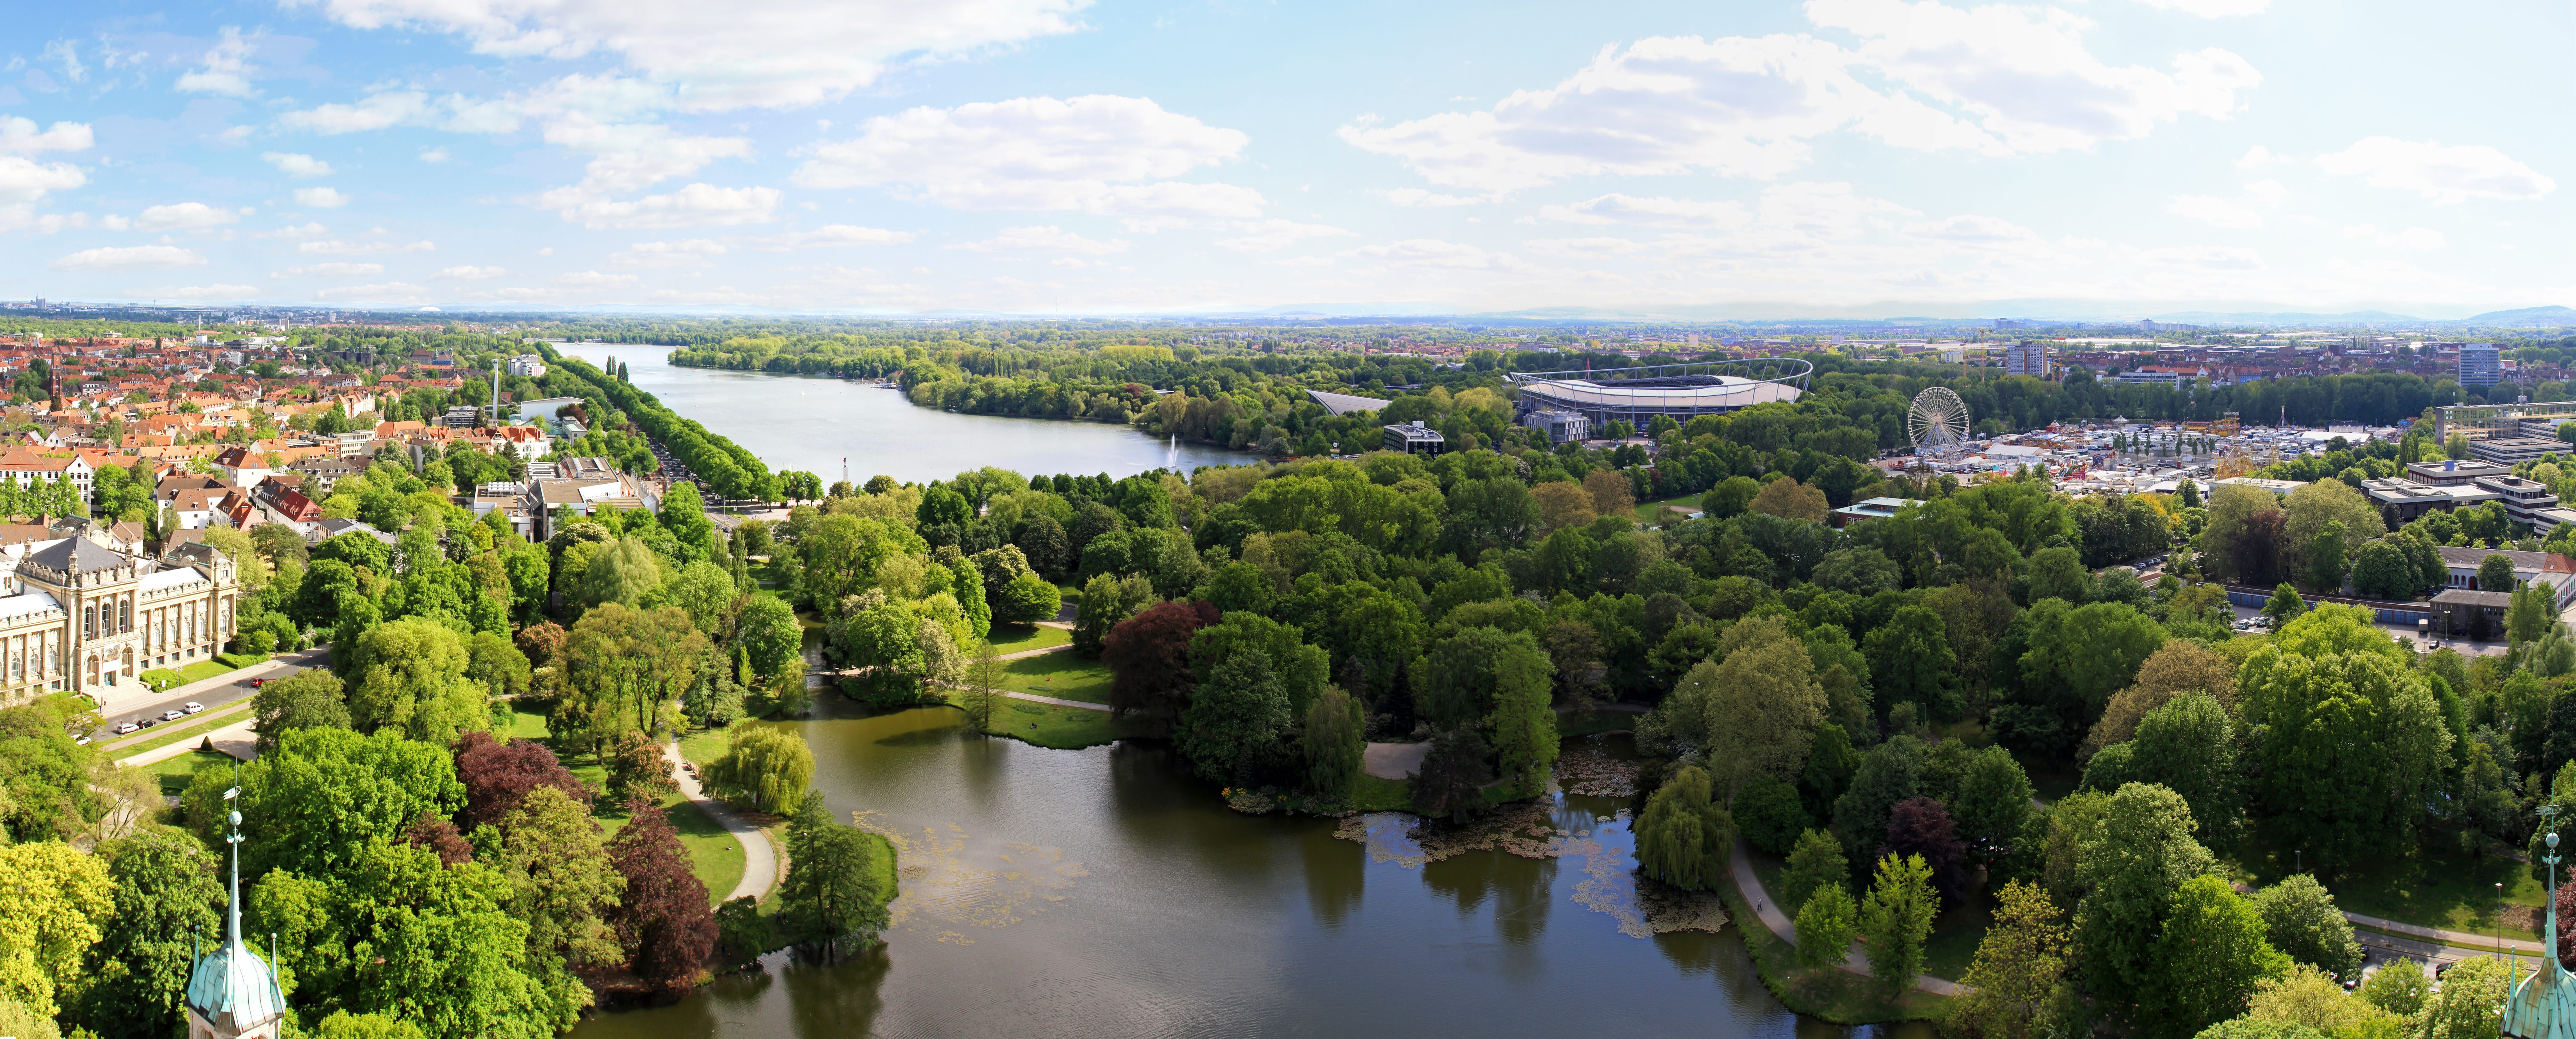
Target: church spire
{"x": 233, "y": 993}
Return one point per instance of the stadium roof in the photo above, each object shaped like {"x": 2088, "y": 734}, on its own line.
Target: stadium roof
{"x": 1344, "y": 403}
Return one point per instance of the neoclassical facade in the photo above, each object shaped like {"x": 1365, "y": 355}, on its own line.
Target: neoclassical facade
{"x": 85, "y": 617}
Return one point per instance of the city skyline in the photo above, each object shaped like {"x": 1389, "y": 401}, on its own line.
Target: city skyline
{"x": 1054, "y": 156}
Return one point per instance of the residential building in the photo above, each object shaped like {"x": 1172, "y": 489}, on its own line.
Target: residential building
{"x": 2478, "y": 365}
{"x": 243, "y": 466}
{"x": 578, "y": 487}
{"x": 2026, "y": 358}
{"x": 2528, "y": 567}
{"x": 529, "y": 366}
{"x": 1414, "y": 438}
{"x": 1561, "y": 426}
{"x": 325, "y": 530}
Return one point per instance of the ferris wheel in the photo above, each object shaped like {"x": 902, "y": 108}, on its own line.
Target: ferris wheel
{"x": 1937, "y": 420}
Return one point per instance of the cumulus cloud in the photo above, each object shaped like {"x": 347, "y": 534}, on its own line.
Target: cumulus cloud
{"x": 320, "y": 198}
{"x": 827, "y": 236}
{"x": 1263, "y": 236}
{"x": 697, "y": 205}
{"x": 296, "y": 165}
{"x": 782, "y": 54}
{"x": 1999, "y": 80}
{"x": 224, "y": 70}
{"x": 668, "y": 254}
{"x": 2413, "y": 238}
{"x": 1649, "y": 212}
{"x": 592, "y": 280}
{"x": 470, "y": 273}
{"x": 2212, "y": 8}
{"x": 1433, "y": 254}
{"x": 1047, "y": 238}
{"x": 2258, "y": 157}
{"x": 182, "y": 216}
{"x": 373, "y": 112}
{"x": 2447, "y": 175}
{"x": 335, "y": 270}
{"x": 195, "y": 292}
{"x": 1099, "y": 154}
{"x": 337, "y": 247}
{"x": 1419, "y": 197}
{"x": 293, "y": 231}
{"x": 18, "y": 136}
{"x": 129, "y": 258}
{"x": 2216, "y": 212}
{"x": 433, "y": 155}
{"x": 388, "y": 292}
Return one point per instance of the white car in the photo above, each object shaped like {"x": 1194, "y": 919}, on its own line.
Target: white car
{"x": 192, "y": 707}
{"x": 125, "y": 727}
{"x": 172, "y": 716}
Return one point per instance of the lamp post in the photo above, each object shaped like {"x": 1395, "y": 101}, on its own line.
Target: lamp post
{"x": 2499, "y": 920}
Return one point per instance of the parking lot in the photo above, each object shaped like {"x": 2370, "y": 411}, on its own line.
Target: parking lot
{"x": 209, "y": 695}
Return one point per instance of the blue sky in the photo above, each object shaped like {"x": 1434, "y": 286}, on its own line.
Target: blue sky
{"x": 1044, "y": 156}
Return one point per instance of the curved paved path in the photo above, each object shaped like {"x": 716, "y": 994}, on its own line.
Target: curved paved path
{"x": 759, "y": 858}
{"x": 1780, "y": 924}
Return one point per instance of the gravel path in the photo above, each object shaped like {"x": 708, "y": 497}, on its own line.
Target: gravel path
{"x": 759, "y": 859}
{"x": 1780, "y": 924}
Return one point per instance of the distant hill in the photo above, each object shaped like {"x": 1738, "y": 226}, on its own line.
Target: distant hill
{"x": 2357, "y": 317}
{"x": 2527, "y": 317}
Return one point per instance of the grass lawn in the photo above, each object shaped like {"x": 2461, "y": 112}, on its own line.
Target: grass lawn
{"x": 525, "y": 726}
{"x": 1650, "y": 511}
{"x": 1061, "y": 728}
{"x": 1955, "y": 933}
{"x": 188, "y": 728}
{"x": 1015, "y": 638}
{"x": 163, "y": 679}
{"x": 705, "y": 745}
{"x": 2438, "y": 886}
{"x": 1064, "y": 676}
{"x": 177, "y": 772}
{"x": 1831, "y": 993}
{"x": 714, "y": 855}
{"x": 1380, "y": 795}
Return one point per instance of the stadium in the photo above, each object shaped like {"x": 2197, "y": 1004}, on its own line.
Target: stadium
{"x": 1567, "y": 405}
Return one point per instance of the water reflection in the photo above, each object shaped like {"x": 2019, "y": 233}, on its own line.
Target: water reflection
{"x": 1105, "y": 892}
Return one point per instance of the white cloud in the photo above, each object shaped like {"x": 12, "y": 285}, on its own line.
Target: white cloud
{"x": 297, "y": 165}
{"x": 2014, "y": 80}
{"x": 225, "y": 69}
{"x": 320, "y": 198}
{"x": 337, "y": 247}
{"x": 2416, "y": 238}
{"x": 195, "y": 292}
{"x": 388, "y": 292}
{"x": 1047, "y": 238}
{"x": 2447, "y": 175}
{"x": 668, "y": 254}
{"x": 470, "y": 273}
{"x": 827, "y": 236}
{"x": 782, "y": 54}
{"x": 1973, "y": 230}
{"x": 2212, "y": 8}
{"x": 1263, "y": 236}
{"x": 2216, "y": 212}
{"x": 592, "y": 280}
{"x": 130, "y": 258}
{"x": 1437, "y": 255}
{"x": 1418, "y": 197}
{"x": 1040, "y": 153}
{"x": 1649, "y": 212}
{"x": 2258, "y": 157}
{"x": 293, "y": 231}
{"x": 373, "y": 112}
{"x": 18, "y": 136}
{"x": 433, "y": 155}
{"x": 2025, "y": 74}
{"x": 332, "y": 270}
{"x": 697, "y": 205}
{"x": 183, "y": 216}
{"x": 26, "y": 180}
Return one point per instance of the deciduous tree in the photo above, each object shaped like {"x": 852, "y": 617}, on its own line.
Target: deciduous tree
{"x": 1896, "y": 917}
{"x": 765, "y": 767}
{"x": 1685, "y": 835}
{"x": 1149, "y": 660}
{"x": 2019, "y": 965}
{"x": 662, "y": 921}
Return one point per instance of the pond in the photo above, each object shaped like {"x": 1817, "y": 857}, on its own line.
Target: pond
{"x": 1107, "y": 892}
{"x": 828, "y": 426}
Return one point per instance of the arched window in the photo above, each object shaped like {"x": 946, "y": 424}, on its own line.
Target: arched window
{"x": 89, "y": 622}
{"x": 129, "y": 660}
{"x": 125, "y": 610}
{"x": 93, "y": 670}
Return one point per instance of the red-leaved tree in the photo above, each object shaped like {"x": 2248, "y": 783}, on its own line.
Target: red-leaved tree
{"x": 1149, "y": 659}
{"x": 434, "y": 832}
{"x": 498, "y": 775}
{"x": 662, "y": 921}
{"x": 1920, "y": 826}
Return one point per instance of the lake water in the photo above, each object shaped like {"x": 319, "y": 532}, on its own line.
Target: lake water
{"x": 823, "y": 425}
{"x": 1109, "y": 893}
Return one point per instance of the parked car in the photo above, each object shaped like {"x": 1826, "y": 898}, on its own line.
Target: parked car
{"x": 192, "y": 707}
{"x": 258, "y": 682}
{"x": 148, "y": 722}
{"x": 80, "y": 741}
{"x": 124, "y": 727}
{"x": 173, "y": 715}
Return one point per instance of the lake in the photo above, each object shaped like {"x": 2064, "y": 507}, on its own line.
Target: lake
{"x": 828, "y": 426}
{"x": 1110, "y": 893}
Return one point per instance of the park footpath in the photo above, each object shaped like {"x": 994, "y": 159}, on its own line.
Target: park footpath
{"x": 1855, "y": 961}
{"x": 759, "y": 856}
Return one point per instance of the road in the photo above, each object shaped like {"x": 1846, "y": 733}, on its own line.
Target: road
{"x": 213, "y": 692}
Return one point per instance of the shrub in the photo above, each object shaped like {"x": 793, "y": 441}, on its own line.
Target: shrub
{"x": 1768, "y": 812}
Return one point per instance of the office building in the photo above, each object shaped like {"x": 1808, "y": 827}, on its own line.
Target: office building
{"x": 2478, "y": 365}
{"x": 2027, "y": 358}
